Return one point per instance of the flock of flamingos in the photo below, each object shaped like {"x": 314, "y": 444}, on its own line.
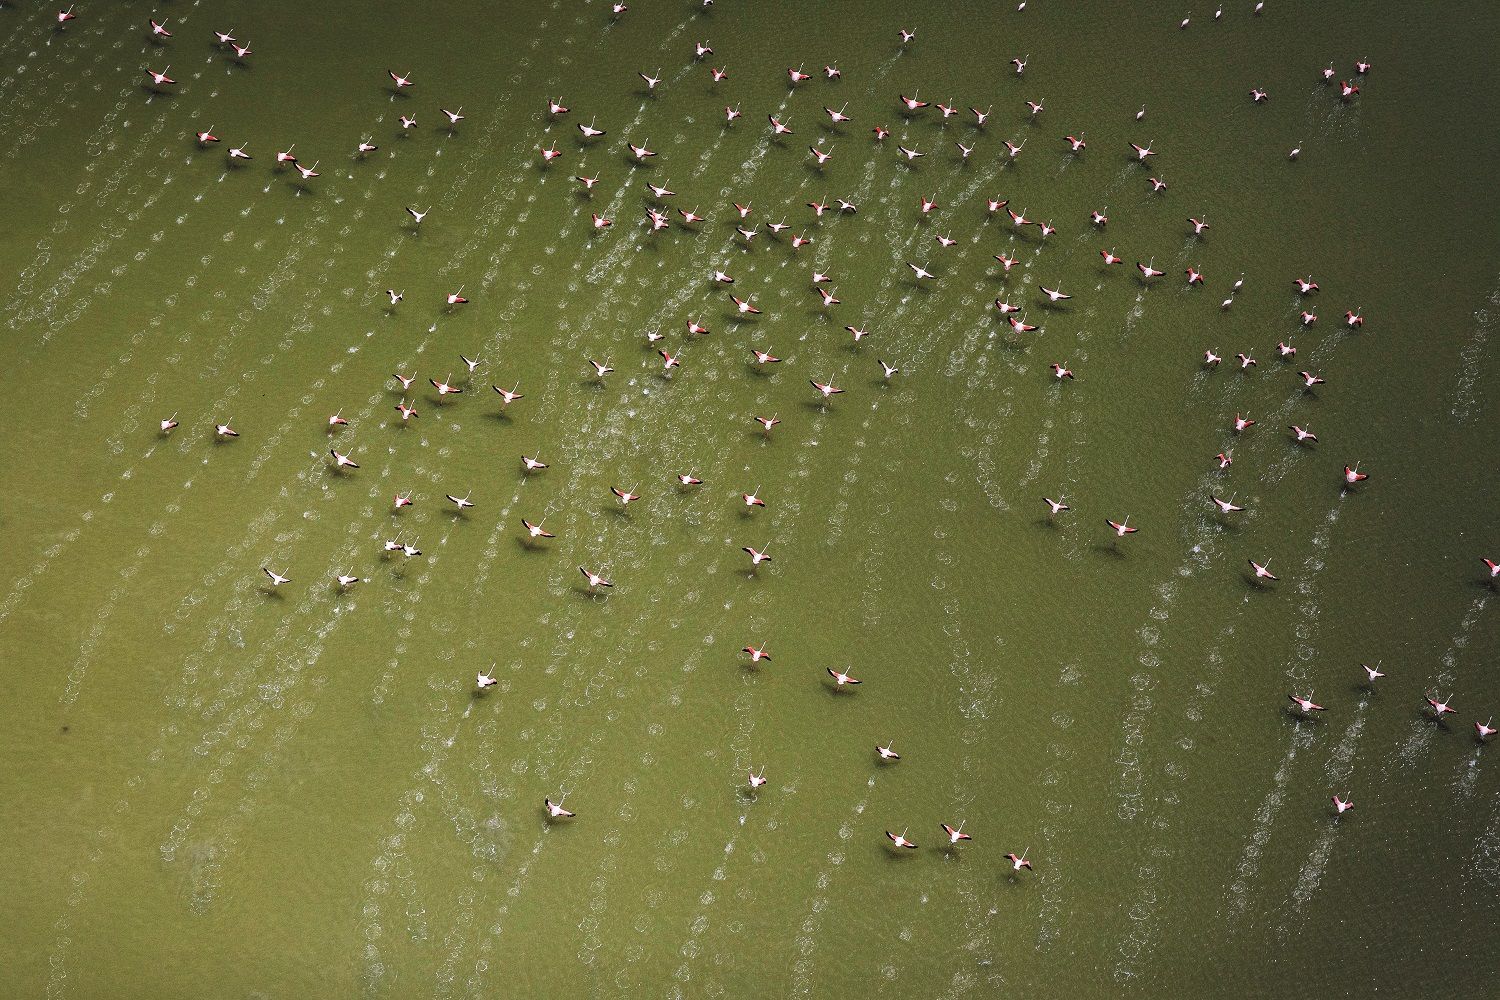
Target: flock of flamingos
{"x": 747, "y": 227}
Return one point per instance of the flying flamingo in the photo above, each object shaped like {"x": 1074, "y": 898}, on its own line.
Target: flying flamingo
{"x": 840, "y": 678}
{"x": 955, "y": 833}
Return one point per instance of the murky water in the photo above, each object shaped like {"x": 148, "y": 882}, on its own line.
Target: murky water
{"x": 216, "y": 786}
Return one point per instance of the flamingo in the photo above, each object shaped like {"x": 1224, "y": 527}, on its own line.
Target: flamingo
{"x": 1305, "y": 705}
{"x": 955, "y": 833}
{"x": 1225, "y": 506}
{"x": 594, "y": 579}
{"x": 757, "y": 556}
{"x": 1441, "y": 707}
{"x": 899, "y": 839}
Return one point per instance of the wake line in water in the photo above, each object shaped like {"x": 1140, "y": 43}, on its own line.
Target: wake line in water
{"x": 1310, "y": 877}
{"x": 1471, "y": 360}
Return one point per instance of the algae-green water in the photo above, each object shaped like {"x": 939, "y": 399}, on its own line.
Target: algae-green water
{"x": 215, "y": 786}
